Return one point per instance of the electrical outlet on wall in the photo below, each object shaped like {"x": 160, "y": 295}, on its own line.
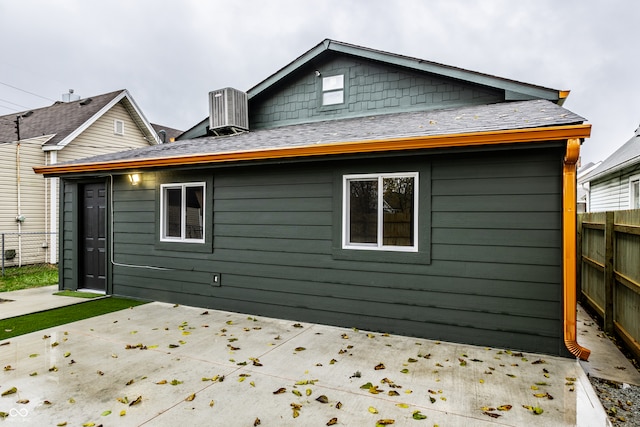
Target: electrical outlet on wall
{"x": 217, "y": 278}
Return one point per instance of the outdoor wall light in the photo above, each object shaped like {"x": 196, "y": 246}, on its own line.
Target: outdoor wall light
{"x": 135, "y": 178}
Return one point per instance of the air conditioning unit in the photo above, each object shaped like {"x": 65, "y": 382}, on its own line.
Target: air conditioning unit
{"x": 228, "y": 110}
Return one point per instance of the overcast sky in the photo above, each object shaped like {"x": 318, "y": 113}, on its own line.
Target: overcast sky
{"x": 170, "y": 54}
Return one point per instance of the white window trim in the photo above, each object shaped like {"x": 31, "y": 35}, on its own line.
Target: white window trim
{"x": 345, "y": 213}
{"x": 118, "y": 127}
{"x": 632, "y": 179}
{"x": 333, "y": 90}
{"x": 183, "y": 187}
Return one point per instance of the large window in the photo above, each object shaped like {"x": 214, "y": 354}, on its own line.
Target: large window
{"x": 380, "y": 212}
{"x": 182, "y": 212}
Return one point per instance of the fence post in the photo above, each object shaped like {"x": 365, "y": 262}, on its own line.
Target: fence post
{"x": 579, "y": 259}
{"x": 609, "y": 281}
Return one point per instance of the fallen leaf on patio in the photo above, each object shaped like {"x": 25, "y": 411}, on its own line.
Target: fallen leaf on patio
{"x": 379, "y": 366}
{"x": 131, "y": 381}
{"x": 72, "y": 400}
{"x": 253, "y": 384}
{"x": 280, "y": 390}
{"x": 175, "y": 382}
{"x": 366, "y": 386}
{"x": 374, "y": 390}
{"x": 12, "y": 390}
{"x": 67, "y": 354}
{"x": 204, "y": 313}
{"x": 123, "y": 413}
{"x": 492, "y": 415}
{"x": 3, "y": 415}
{"x": 537, "y": 362}
{"x": 570, "y": 379}
{"x": 308, "y": 392}
{"x": 124, "y": 400}
{"x": 511, "y": 375}
{"x": 411, "y": 360}
{"x": 418, "y": 416}
{"x": 173, "y": 346}
{"x": 370, "y": 336}
{"x": 504, "y": 407}
{"x": 402, "y": 405}
{"x": 33, "y": 355}
{"x": 165, "y": 381}
{"x": 405, "y": 371}
{"x": 33, "y": 374}
{"x": 393, "y": 393}
{"x": 345, "y": 336}
{"x": 481, "y": 381}
{"x": 135, "y": 402}
{"x": 9, "y": 368}
{"x": 299, "y": 349}
{"x": 332, "y": 421}
{"x": 53, "y": 369}
{"x": 62, "y": 424}
{"x": 322, "y": 399}
{"x": 23, "y": 401}
{"x": 385, "y": 422}
{"x": 305, "y": 382}
{"x": 432, "y": 399}
{"x": 462, "y": 362}
{"x": 257, "y": 422}
{"x": 190, "y": 397}
{"x": 212, "y": 403}
{"x": 373, "y": 410}
{"x": 487, "y": 408}
{"x": 105, "y": 413}
{"x": 296, "y": 392}
{"x": 88, "y": 424}
{"x": 297, "y": 325}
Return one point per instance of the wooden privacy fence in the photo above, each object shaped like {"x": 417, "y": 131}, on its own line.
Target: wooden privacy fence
{"x": 609, "y": 271}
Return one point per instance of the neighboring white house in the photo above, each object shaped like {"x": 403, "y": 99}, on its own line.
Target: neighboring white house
{"x": 615, "y": 183}
{"x": 61, "y": 132}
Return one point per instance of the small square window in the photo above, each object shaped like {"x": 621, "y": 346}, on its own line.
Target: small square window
{"x": 182, "y": 212}
{"x": 380, "y": 212}
{"x": 333, "y": 90}
{"x": 118, "y": 127}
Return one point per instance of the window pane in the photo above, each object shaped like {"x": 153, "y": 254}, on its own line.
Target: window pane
{"x": 335, "y": 97}
{"x": 333, "y": 82}
{"x": 398, "y": 212}
{"x": 173, "y": 207}
{"x": 194, "y": 214}
{"x": 635, "y": 189}
{"x": 363, "y": 208}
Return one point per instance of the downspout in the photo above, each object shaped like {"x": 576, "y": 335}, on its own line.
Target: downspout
{"x": 19, "y": 203}
{"x": 569, "y": 226}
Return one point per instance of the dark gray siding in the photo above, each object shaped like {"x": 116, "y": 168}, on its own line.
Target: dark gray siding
{"x": 370, "y": 87}
{"x": 493, "y": 276}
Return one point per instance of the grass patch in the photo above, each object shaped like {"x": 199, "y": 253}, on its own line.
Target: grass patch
{"x": 28, "y": 276}
{"x": 78, "y": 294}
{"x": 59, "y": 316}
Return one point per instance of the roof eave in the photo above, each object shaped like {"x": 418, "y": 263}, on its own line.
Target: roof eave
{"x": 498, "y": 137}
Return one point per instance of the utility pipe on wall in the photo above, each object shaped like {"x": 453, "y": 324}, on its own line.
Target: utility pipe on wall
{"x": 19, "y": 214}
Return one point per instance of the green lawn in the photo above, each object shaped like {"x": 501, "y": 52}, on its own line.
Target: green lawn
{"x": 59, "y": 316}
{"x": 28, "y": 276}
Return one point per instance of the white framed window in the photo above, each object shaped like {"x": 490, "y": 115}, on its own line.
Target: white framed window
{"x": 333, "y": 90}
{"x": 182, "y": 212}
{"x": 118, "y": 127}
{"x": 634, "y": 192}
{"x": 380, "y": 212}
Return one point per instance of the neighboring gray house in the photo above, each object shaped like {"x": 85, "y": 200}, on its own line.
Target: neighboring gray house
{"x": 352, "y": 187}
{"x": 615, "y": 183}
{"x": 61, "y": 132}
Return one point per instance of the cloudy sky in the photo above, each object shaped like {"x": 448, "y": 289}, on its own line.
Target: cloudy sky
{"x": 169, "y": 54}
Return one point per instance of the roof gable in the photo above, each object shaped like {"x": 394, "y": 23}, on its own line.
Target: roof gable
{"x": 514, "y": 90}
{"x": 626, "y": 156}
{"x": 66, "y": 120}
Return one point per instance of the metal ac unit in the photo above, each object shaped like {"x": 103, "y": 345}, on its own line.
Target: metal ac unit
{"x": 228, "y": 110}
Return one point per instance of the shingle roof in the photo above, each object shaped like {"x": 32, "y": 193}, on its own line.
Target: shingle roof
{"x": 627, "y": 155}
{"x": 171, "y": 133}
{"x": 493, "y": 117}
{"x": 61, "y": 119}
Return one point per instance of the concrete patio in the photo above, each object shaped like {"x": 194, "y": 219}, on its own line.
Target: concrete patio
{"x": 160, "y": 364}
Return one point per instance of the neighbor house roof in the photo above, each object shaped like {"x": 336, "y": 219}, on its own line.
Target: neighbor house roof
{"x": 625, "y": 156}
{"x": 524, "y": 121}
{"x": 171, "y": 134}
{"x": 64, "y": 121}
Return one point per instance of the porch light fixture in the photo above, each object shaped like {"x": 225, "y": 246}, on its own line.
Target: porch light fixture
{"x": 134, "y": 178}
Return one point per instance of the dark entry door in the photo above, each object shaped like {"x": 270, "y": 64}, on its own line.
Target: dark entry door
{"x": 93, "y": 240}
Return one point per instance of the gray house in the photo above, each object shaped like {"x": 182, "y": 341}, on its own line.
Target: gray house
{"x": 615, "y": 183}
{"x": 352, "y": 187}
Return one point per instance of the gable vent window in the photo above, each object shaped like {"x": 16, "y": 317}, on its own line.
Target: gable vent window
{"x": 118, "y": 127}
{"x": 634, "y": 192}
{"x": 333, "y": 90}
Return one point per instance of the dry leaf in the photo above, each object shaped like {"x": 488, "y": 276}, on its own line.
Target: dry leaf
{"x": 257, "y": 422}
{"x": 280, "y": 390}
{"x": 332, "y": 421}
{"x": 379, "y": 366}
{"x": 135, "y": 402}
{"x": 190, "y": 397}
{"x": 504, "y": 407}
{"x": 322, "y": 399}
{"x": 492, "y": 415}
{"x": 385, "y": 422}
{"x": 12, "y": 390}
{"x": 373, "y": 410}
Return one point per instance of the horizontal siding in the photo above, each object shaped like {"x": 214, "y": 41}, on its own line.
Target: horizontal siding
{"x": 611, "y": 194}
{"x": 494, "y": 277}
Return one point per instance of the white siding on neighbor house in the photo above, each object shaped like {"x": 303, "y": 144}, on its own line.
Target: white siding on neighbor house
{"x": 100, "y": 138}
{"x": 611, "y": 194}
{"x": 23, "y": 193}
